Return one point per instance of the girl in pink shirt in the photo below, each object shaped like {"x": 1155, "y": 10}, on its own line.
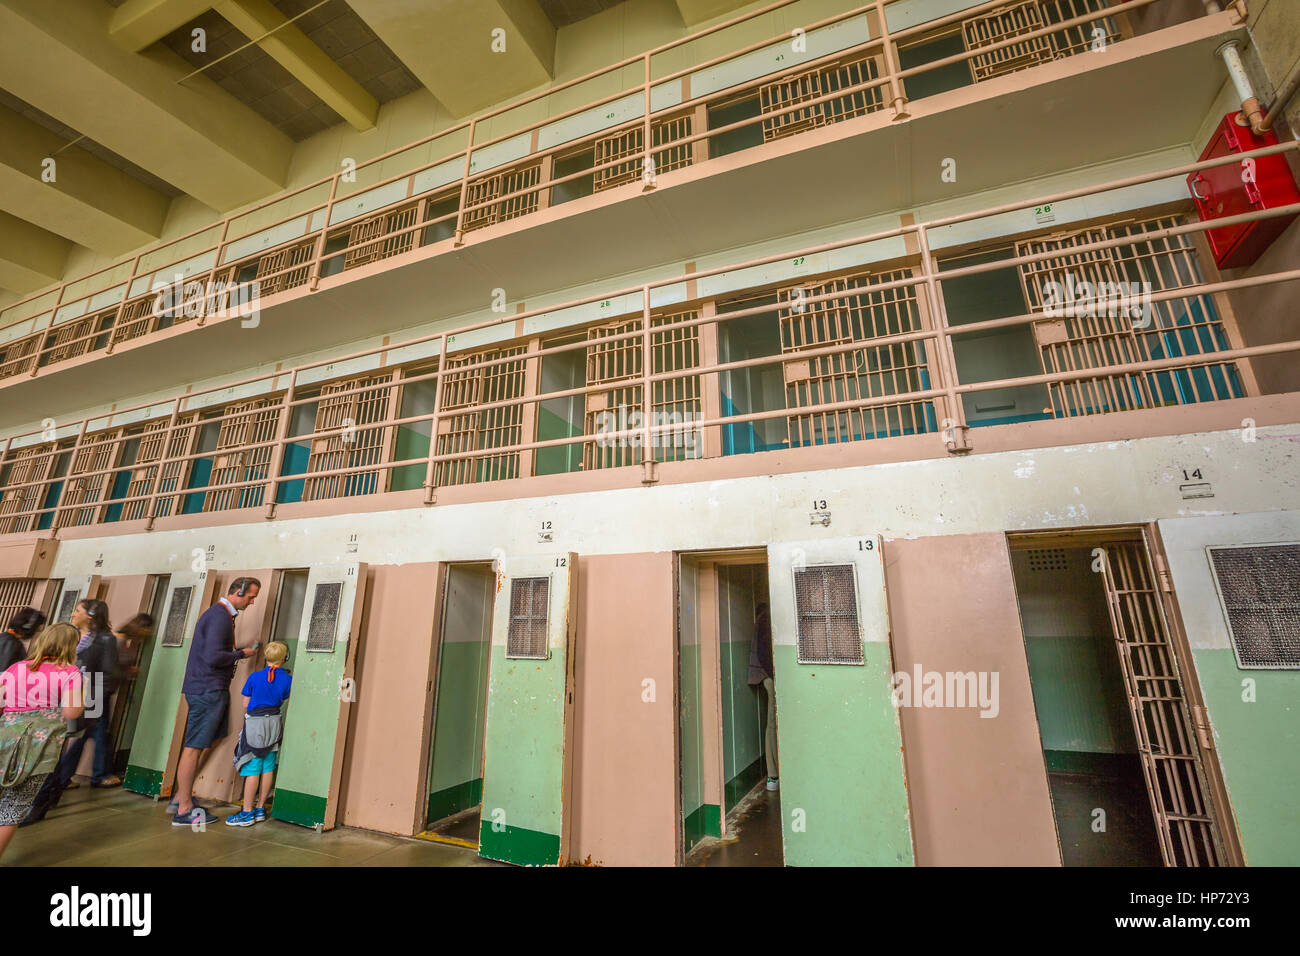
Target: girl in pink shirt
{"x": 50, "y": 683}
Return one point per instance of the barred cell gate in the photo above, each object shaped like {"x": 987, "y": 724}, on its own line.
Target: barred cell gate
{"x": 1097, "y": 312}
{"x": 675, "y": 401}
{"x": 15, "y": 594}
{"x": 466, "y": 431}
{"x": 35, "y": 463}
{"x": 853, "y": 316}
{"x": 371, "y": 399}
{"x": 380, "y": 228}
{"x": 1167, "y": 738}
{"x": 628, "y": 144}
{"x": 83, "y": 488}
{"x": 245, "y": 423}
{"x": 486, "y": 189}
{"x": 795, "y": 88}
{"x": 1021, "y": 17}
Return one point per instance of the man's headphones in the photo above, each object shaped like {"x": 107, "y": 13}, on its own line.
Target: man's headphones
{"x": 244, "y": 585}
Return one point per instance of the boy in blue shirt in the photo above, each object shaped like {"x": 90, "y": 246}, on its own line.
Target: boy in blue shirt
{"x": 255, "y": 755}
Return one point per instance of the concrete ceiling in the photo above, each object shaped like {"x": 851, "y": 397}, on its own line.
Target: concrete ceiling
{"x": 135, "y": 117}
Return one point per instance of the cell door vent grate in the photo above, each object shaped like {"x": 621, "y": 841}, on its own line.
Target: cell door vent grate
{"x": 177, "y": 614}
{"x": 1048, "y": 559}
{"x": 1259, "y": 587}
{"x": 826, "y": 605}
{"x": 67, "y": 605}
{"x": 324, "y": 617}
{"x": 529, "y": 603}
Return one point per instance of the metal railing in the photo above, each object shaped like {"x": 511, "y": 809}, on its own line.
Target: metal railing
{"x": 332, "y": 226}
{"x": 864, "y": 354}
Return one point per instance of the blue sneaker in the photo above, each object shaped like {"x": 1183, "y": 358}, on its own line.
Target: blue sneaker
{"x": 174, "y": 807}
{"x": 244, "y": 818}
{"x": 197, "y": 815}
{"x": 259, "y": 814}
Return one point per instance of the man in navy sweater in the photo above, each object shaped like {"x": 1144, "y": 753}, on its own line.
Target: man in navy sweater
{"x": 208, "y": 672}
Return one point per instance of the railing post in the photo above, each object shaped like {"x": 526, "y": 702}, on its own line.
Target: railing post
{"x": 464, "y": 193}
{"x": 212, "y": 273}
{"x": 278, "y": 449}
{"x": 319, "y": 257}
{"x": 121, "y": 306}
{"x": 649, "y": 461}
{"x": 430, "y": 489}
{"x": 59, "y": 506}
{"x": 648, "y": 171}
{"x": 152, "y": 503}
{"x": 956, "y": 417}
{"x": 54, "y": 314}
{"x": 898, "y": 101}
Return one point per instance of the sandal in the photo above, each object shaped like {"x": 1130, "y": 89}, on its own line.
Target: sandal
{"x": 107, "y": 783}
{"x": 72, "y": 785}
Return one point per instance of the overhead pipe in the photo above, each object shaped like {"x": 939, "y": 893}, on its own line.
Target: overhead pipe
{"x": 1284, "y": 94}
{"x": 1252, "y": 114}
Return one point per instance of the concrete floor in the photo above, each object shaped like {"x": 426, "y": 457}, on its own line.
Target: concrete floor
{"x": 754, "y": 834}
{"x": 119, "y": 828}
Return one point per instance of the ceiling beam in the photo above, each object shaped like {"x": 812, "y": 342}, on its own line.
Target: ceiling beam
{"x": 448, "y": 45}
{"x": 88, "y": 201}
{"x": 30, "y": 257}
{"x": 308, "y": 63}
{"x": 137, "y": 24}
{"x": 193, "y": 135}
{"x": 695, "y": 12}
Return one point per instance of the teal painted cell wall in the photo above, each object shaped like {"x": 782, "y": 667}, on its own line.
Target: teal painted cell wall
{"x": 295, "y": 460}
{"x": 1078, "y": 695}
{"x": 1074, "y": 669}
{"x": 550, "y": 425}
{"x": 1259, "y": 750}
{"x": 458, "y": 722}
{"x": 739, "y": 588}
{"x": 692, "y": 741}
{"x": 841, "y": 762}
{"x": 525, "y": 748}
{"x": 742, "y": 740}
{"x": 413, "y": 439}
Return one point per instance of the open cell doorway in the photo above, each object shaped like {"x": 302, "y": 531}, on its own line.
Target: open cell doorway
{"x": 1131, "y": 782}
{"x": 729, "y": 813}
{"x": 455, "y": 783}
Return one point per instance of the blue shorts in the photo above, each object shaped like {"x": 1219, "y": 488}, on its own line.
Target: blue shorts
{"x": 206, "y": 722}
{"x": 258, "y": 765}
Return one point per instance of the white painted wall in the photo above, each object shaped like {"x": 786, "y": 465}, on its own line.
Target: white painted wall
{"x": 1072, "y": 486}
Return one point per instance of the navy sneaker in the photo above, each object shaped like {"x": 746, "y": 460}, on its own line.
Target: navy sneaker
{"x": 174, "y": 807}
{"x": 197, "y": 815}
{"x": 259, "y": 814}
{"x": 244, "y": 818}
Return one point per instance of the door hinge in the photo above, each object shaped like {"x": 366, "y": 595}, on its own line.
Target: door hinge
{"x": 1162, "y": 574}
{"x": 1202, "y": 725}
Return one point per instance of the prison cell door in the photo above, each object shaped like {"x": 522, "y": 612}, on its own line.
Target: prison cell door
{"x": 316, "y": 717}
{"x": 1166, "y": 737}
{"x": 527, "y": 775}
{"x": 74, "y": 589}
{"x": 160, "y": 730}
{"x": 455, "y": 778}
{"x": 133, "y": 687}
{"x": 216, "y": 778}
{"x": 839, "y": 744}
